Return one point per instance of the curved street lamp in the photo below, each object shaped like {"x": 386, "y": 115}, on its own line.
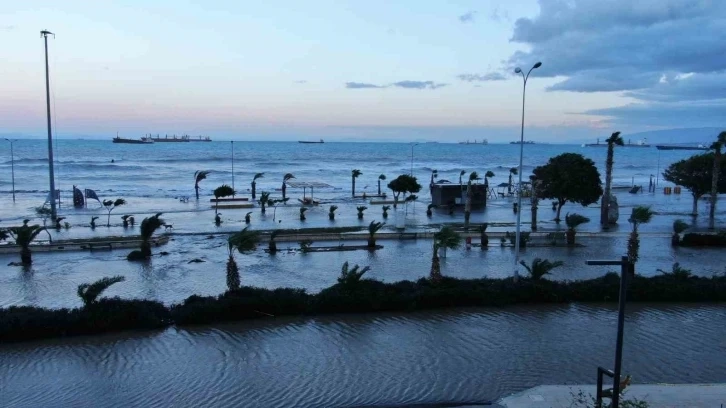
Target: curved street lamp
{"x": 521, "y": 155}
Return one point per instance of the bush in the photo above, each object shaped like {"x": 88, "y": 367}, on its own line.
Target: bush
{"x": 704, "y": 240}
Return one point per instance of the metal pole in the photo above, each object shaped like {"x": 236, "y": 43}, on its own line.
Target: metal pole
{"x": 519, "y": 194}
{"x": 232, "y": 142}
{"x": 53, "y": 212}
{"x": 12, "y": 164}
{"x": 625, "y": 270}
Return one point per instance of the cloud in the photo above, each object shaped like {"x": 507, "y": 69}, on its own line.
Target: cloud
{"x": 683, "y": 114}
{"x": 667, "y": 54}
{"x": 361, "y": 85}
{"x": 499, "y": 15}
{"x": 418, "y": 84}
{"x": 490, "y": 76}
{"x": 301, "y": 81}
{"x": 467, "y": 17}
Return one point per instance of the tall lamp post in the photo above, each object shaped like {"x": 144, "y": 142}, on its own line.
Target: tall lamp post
{"x": 53, "y": 212}
{"x": 12, "y": 164}
{"x": 521, "y": 156}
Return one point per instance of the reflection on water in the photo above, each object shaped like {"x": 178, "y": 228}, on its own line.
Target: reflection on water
{"x": 468, "y": 355}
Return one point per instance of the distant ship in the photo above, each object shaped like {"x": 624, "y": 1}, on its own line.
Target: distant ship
{"x": 167, "y": 139}
{"x": 310, "y": 142}
{"x": 143, "y": 140}
{"x": 483, "y": 141}
{"x": 639, "y": 143}
{"x": 516, "y": 142}
{"x": 200, "y": 139}
{"x": 681, "y": 147}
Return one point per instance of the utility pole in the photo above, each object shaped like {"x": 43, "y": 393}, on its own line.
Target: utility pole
{"x": 53, "y": 211}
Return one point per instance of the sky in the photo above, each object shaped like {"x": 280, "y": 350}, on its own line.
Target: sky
{"x": 363, "y": 70}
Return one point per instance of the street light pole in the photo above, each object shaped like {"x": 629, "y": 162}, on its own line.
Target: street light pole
{"x": 521, "y": 156}
{"x": 12, "y": 164}
{"x": 53, "y": 212}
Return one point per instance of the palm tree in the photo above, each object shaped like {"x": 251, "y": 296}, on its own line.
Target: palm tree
{"x": 331, "y": 212}
{"x": 302, "y": 213}
{"x": 23, "y": 237}
{"x": 640, "y": 215}
{"x": 473, "y": 176}
{"x": 125, "y": 219}
{"x": 248, "y": 217}
{"x": 716, "y": 147}
{"x": 373, "y": 227}
{"x": 254, "y": 184}
{"x": 678, "y": 227}
{"x": 445, "y": 238}
{"x": 272, "y": 245}
{"x": 93, "y": 222}
{"x": 199, "y": 175}
{"x": 265, "y": 201}
{"x": 222, "y": 191}
{"x": 243, "y": 241}
{"x": 110, "y": 206}
{"x": 285, "y": 178}
{"x": 355, "y": 173}
{"x": 430, "y": 210}
{"x": 382, "y": 177}
{"x": 489, "y": 174}
{"x": 534, "y": 201}
{"x": 89, "y": 293}
{"x": 483, "y": 237}
{"x": 148, "y": 226}
{"x": 461, "y": 177}
{"x": 385, "y": 211}
{"x": 612, "y": 141}
{"x": 512, "y": 172}
{"x": 353, "y": 276}
{"x": 360, "y": 209}
{"x": 573, "y": 221}
{"x": 540, "y": 267}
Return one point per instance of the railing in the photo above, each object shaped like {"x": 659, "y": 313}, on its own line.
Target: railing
{"x": 598, "y": 393}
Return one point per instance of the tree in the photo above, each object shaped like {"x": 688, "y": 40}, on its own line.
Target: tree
{"x": 385, "y": 209}
{"x": 110, "y": 206}
{"x": 403, "y": 184}
{"x": 265, "y": 201}
{"x": 483, "y": 237}
{"x": 244, "y": 241}
{"x": 373, "y": 227}
{"x": 222, "y": 191}
{"x": 382, "y": 177}
{"x": 331, "y": 212}
{"x": 461, "y": 178}
{"x": 473, "y": 176}
{"x": 573, "y": 221}
{"x": 534, "y": 201}
{"x": 489, "y": 174}
{"x": 199, "y": 175}
{"x": 126, "y": 219}
{"x": 716, "y": 147}
{"x": 24, "y": 236}
{"x": 272, "y": 245}
{"x": 302, "y": 213}
{"x": 640, "y": 215}
{"x": 540, "y": 267}
{"x": 248, "y": 217}
{"x": 430, "y": 210}
{"x": 569, "y": 177}
{"x": 89, "y": 293}
{"x": 350, "y": 277}
{"x": 285, "y": 179}
{"x": 612, "y": 141}
{"x": 44, "y": 213}
{"x": 446, "y": 238}
{"x": 148, "y": 226}
{"x": 93, "y": 222}
{"x": 696, "y": 175}
{"x": 678, "y": 227}
{"x": 254, "y": 184}
{"x": 512, "y": 172}
{"x": 355, "y": 174}
{"x": 360, "y": 209}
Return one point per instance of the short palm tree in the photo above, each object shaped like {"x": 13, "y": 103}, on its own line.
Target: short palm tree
{"x": 110, "y": 206}
{"x": 360, "y": 209}
{"x": 373, "y": 227}
{"x": 540, "y": 267}
{"x": 382, "y": 177}
{"x": 272, "y": 245}
{"x": 199, "y": 175}
{"x": 640, "y": 215}
{"x": 461, "y": 179}
{"x": 489, "y": 174}
{"x": 248, "y": 217}
{"x": 89, "y": 292}
{"x": 331, "y": 212}
{"x": 483, "y": 237}
{"x": 446, "y": 238}
{"x": 385, "y": 209}
{"x": 148, "y": 226}
{"x": 512, "y": 172}
{"x": 678, "y": 227}
{"x": 24, "y": 236}
{"x": 354, "y": 175}
{"x": 285, "y": 179}
{"x": 222, "y": 191}
{"x": 350, "y": 277}
{"x": 473, "y": 176}
{"x": 126, "y": 219}
{"x": 302, "y": 213}
{"x": 573, "y": 221}
{"x": 254, "y": 184}
{"x": 265, "y": 201}
{"x": 612, "y": 141}
{"x": 430, "y": 210}
{"x": 244, "y": 241}
{"x": 716, "y": 147}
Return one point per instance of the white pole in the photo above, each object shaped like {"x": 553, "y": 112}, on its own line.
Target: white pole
{"x": 53, "y": 212}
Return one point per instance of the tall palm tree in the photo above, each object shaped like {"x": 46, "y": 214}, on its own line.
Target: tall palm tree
{"x": 640, "y": 215}
{"x": 473, "y": 176}
{"x": 373, "y": 227}
{"x": 331, "y": 212}
{"x": 716, "y": 147}
{"x": 512, "y": 172}
{"x": 612, "y": 141}
{"x": 360, "y": 209}
{"x": 23, "y": 237}
{"x": 199, "y": 175}
{"x": 243, "y": 241}
{"x": 285, "y": 178}
{"x": 222, "y": 191}
{"x": 264, "y": 201}
{"x": 382, "y": 177}
{"x": 534, "y": 200}
{"x": 355, "y": 173}
{"x": 89, "y": 292}
{"x": 445, "y": 238}
{"x": 461, "y": 178}
{"x": 489, "y": 174}
{"x": 272, "y": 245}
{"x": 110, "y": 206}
{"x": 540, "y": 267}
{"x": 148, "y": 226}
{"x": 254, "y": 184}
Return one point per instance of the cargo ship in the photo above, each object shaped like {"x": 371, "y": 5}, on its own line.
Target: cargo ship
{"x": 143, "y": 140}
{"x": 681, "y": 147}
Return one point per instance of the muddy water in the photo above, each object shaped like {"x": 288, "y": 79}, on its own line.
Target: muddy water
{"x": 469, "y": 355}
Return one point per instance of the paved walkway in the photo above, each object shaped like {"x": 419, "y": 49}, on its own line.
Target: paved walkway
{"x": 656, "y": 395}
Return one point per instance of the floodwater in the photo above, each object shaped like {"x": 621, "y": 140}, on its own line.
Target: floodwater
{"x": 464, "y": 355}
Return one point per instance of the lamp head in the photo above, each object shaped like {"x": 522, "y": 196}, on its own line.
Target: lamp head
{"x": 517, "y": 70}
{"x": 537, "y": 65}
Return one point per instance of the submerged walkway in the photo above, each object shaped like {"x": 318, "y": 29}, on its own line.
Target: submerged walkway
{"x": 656, "y": 395}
